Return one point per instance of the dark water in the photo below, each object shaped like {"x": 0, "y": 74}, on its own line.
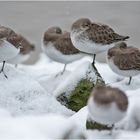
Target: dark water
{"x": 32, "y": 18}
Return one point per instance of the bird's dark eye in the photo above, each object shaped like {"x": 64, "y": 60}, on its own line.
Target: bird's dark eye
{"x": 58, "y": 31}
{"x": 123, "y": 46}
{"x": 86, "y": 25}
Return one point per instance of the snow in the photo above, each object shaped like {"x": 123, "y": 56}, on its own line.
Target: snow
{"x": 42, "y": 127}
{"x": 72, "y": 79}
{"x": 82, "y": 114}
{"x": 29, "y": 110}
{"x": 20, "y": 94}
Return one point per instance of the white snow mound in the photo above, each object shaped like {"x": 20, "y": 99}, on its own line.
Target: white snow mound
{"x": 20, "y": 94}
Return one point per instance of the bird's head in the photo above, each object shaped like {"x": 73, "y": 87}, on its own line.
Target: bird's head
{"x": 82, "y": 24}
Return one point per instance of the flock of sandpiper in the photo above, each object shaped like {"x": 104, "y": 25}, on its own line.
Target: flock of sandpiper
{"x": 85, "y": 38}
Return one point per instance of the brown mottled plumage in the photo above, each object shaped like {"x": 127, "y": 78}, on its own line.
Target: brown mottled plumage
{"x": 125, "y": 57}
{"x": 107, "y": 95}
{"x": 97, "y": 32}
{"x": 64, "y": 44}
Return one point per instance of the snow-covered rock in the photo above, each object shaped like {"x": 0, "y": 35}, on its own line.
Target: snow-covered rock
{"x": 52, "y": 81}
{"x": 75, "y": 90}
{"x": 20, "y": 94}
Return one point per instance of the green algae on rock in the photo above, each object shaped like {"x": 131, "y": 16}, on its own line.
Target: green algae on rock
{"x": 91, "y": 124}
{"x": 79, "y": 96}
{"x": 95, "y": 125}
{"x": 83, "y": 83}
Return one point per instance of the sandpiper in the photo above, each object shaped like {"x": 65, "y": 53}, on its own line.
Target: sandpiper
{"x": 124, "y": 60}
{"x": 25, "y": 50}
{"x": 9, "y": 45}
{"x": 107, "y": 105}
{"x": 93, "y": 38}
{"x": 57, "y": 45}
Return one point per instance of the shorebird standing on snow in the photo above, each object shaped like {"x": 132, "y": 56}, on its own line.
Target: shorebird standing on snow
{"x": 92, "y": 37}
{"x": 107, "y": 105}
{"x": 124, "y": 60}
{"x": 58, "y": 46}
{"x": 9, "y": 45}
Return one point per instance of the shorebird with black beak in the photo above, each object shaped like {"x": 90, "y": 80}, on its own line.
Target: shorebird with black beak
{"x": 93, "y": 38}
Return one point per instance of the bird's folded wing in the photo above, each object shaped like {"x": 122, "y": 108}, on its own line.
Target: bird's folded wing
{"x": 128, "y": 61}
{"x": 103, "y": 34}
{"x": 65, "y": 45}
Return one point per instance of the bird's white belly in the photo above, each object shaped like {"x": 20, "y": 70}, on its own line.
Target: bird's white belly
{"x": 89, "y": 46}
{"x": 7, "y": 50}
{"x": 20, "y": 58}
{"x": 57, "y": 56}
{"x": 105, "y": 114}
{"x": 126, "y": 73}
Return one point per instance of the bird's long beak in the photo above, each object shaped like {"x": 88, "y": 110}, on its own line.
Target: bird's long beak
{"x": 92, "y": 24}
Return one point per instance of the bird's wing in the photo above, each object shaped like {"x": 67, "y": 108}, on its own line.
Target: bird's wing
{"x": 9, "y": 35}
{"x": 103, "y": 34}
{"x": 14, "y": 39}
{"x": 129, "y": 61}
{"x": 64, "y": 44}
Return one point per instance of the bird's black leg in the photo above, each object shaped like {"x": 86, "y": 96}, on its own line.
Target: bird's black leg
{"x": 64, "y": 69}
{"x": 111, "y": 130}
{"x": 130, "y": 78}
{"x": 2, "y": 69}
{"x": 61, "y": 73}
{"x": 94, "y": 56}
